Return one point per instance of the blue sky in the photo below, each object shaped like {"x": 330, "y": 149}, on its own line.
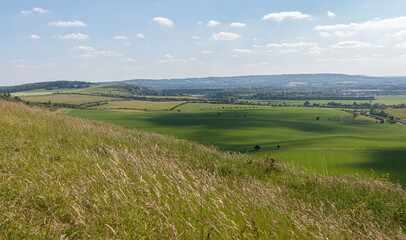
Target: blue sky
{"x": 100, "y": 40}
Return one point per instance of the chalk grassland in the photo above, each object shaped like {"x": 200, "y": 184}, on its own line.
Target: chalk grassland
{"x": 384, "y": 99}
{"x": 138, "y": 105}
{"x": 399, "y": 113}
{"x": 239, "y": 129}
{"x": 42, "y": 92}
{"x": 67, "y": 98}
{"x": 68, "y": 178}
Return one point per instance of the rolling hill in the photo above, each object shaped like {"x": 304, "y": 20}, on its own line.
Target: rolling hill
{"x": 68, "y": 178}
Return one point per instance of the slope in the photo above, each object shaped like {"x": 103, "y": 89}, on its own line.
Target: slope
{"x": 68, "y": 178}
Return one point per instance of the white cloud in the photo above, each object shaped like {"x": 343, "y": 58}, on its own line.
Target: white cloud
{"x": 75, "y": 23}
{"x": 17, "y": 60}
{"x": 240, "y": 50}
{"x": 34, "y": 10}
{"x": 130, "y": 59}
{"x": 79, "y": 36}
{"x": 33, "y": 36}
{"x": 338, "y": 34}
{"x": 213, "y": 23}
{"x": 168, "y": 56}
{"x": 161, "y": 21}
{"x": 178, "y": 61}
{"x": 372, "y": 25}
{"x": 292, "y": 45}
{"x": 40, "y": 10}
{"x": 140, "y": 35}
{"x": 238, "y": 24}
{"x": 315, "y": 50}
{"x": 46, "y": 66}
{"x": 398, "y": 34}
{"x": 83, "y": 48}
{"x": 355, "y": 44}
{"x": 280, "y": 16}
{"x": 224, "y": 36}
{"x": 120, "y": 37}
{"x": 195, "y": 37}
{"x": 331, "y": 14}
{"x": 207, "y": 52}
{"x": 401, "y": 45}
{"x": 92, "y": 54}
{"x": 199, "y": 22}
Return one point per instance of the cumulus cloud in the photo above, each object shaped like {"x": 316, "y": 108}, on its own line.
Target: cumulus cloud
{"x": 199, "y": 22}
{"x": 34, "y": 10}
{"x": 83, "y": 48}
{"x": 162, "y": 22}
{"x": 178, "y": 61}
{"x": 207, "y": 52}
{"x": 292, "y": 45}
{"x": 398, "y": 34}
{"x": 75, "y": 23}
{"x": 78, "y": 36}
{"x": 338, "y": 34}
{"x": 195, "y": 37}
{"x": 401, "y": 45}
{"x": 96, "y": 54}
{"x": 213, "y": 23}
{"x": 120, "y": 37}
{"x": 241, "y": 50}
{"x": 372, "y": 25}
{"x": 224, "y": 36}
{"x": 33, "y": 36}
{"x": 331, "y": 14}
{"x": 140, "y": 35}
{"x": 168, "y": 56}
{"x": 355, "y": 44}
{"x": 238, "y": 24}
{"x": 280, "y": 16}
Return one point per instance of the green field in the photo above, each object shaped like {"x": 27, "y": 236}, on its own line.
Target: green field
{"x": 138, "y": 105}
{"x": 399, "y": 113}
{"x": 384, "y": 99}
{"x": 296, "y": 130}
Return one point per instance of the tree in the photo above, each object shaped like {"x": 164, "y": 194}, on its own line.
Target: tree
{"x": 278, "y": 146}
{"x": 257, "y": 147}
{"x": 318, "y": 118}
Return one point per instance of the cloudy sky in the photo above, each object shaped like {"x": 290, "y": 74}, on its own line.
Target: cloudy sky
{"x": 105, "y": 40}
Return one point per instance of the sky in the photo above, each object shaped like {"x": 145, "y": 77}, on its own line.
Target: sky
{"x": 108, "y": 40}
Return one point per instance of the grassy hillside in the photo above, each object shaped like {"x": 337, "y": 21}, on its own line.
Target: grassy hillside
{"x": 69, "y": 178}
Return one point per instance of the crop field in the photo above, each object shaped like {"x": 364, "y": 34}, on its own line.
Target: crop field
{"x": 138, "y": 105}
{"x": 67, "y": 98}
{"x": 41, "y": 92}
{"x": 384, "y": 99}
{"x": 399, "y": 113}
{"x": 348, "y": 146}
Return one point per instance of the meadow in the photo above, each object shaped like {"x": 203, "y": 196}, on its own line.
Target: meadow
{"x": 66, "y": 98}
{"x": 70, "y": 178}
{"x": 138, "y": 105}
{"x": 399, "y": 113}
{"x": 349, "y": 146}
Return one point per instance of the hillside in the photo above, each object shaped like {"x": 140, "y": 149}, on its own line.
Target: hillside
{"x": 45, "y": 85}
{"x": 275, "y": 81}
{"x": 69, "y": 178}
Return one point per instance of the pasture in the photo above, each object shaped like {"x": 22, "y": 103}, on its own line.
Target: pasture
{"x": 349, "y": 146}
{"x": 138, "y": 105}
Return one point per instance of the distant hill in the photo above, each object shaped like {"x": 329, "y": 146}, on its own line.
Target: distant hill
{"x": 46, "y": 86}
{"x": 69, "y": 178}
{"x": 258, "y": 81}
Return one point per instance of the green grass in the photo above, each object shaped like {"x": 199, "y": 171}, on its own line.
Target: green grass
{"x": 384, "y": 99}
{"x": 69, "y": 178}
{"x": 268, "y": 127}
{"x": 41, "y": 92}
{"x": 139, "y": 105}
{"x": 399, "y": 113}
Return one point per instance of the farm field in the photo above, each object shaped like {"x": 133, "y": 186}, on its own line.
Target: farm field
{"x": 42, "y": 92}
{"x": 384, "y": 99}
{"x": 67, "y": 98}
{"x": 138, "y": 105}
{"x": 295, "y": 129}
{"x": 399, "y": 113}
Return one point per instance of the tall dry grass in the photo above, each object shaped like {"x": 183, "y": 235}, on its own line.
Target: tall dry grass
{"x": 68, "y": 178}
